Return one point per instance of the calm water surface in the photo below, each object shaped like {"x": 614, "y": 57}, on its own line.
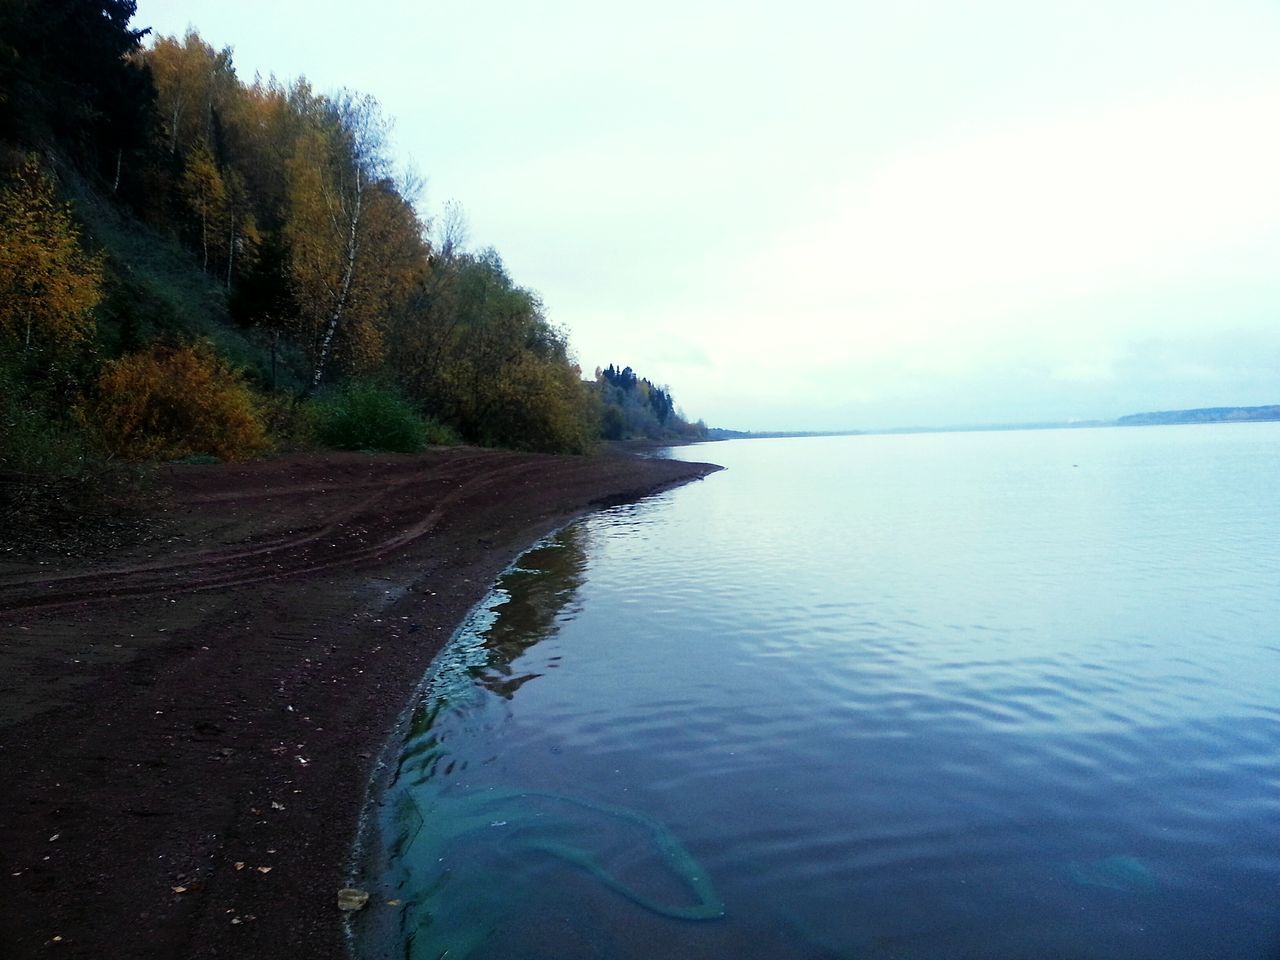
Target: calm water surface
{"x": 1009, "y": 695}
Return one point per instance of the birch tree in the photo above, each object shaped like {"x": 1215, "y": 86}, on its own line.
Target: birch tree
{"x": 192, "y": 81}
{"x": 205, "y": 195}
{"x": 337, "y": 168}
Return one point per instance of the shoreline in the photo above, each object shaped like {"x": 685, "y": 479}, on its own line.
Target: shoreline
{"x": 190, "y": 729}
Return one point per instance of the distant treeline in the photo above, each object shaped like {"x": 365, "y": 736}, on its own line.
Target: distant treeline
{"x": 196, "y": 264}
{"x": 635, "y": 408}
{"x": 1156, "y": 418}
{"x": 720, "y": 433}
{"x": 1201, "y": 415}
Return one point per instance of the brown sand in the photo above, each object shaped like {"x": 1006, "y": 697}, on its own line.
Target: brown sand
{"x": 187, "y": 729}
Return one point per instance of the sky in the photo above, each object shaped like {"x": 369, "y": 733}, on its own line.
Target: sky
{"x": 847, "y": 215}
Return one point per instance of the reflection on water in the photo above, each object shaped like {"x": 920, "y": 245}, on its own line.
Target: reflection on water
{"x": 522, "y": 610}
{"x": 534, "y": 594}
{"x": 463, "y": 851}
{"x": 991, "y": 696}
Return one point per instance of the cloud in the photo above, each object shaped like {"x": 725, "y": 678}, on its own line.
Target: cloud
{"x": 1130, "y": 195}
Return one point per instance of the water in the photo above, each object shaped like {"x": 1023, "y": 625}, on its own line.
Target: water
{"x": 1009, "y": 695}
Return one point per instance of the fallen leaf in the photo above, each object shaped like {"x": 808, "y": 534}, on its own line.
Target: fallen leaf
{"x": 264, "y": 869}
{"x": 239, "y": 864}
{"x": 179, "y": 889}
{"x": 350, "y": 899}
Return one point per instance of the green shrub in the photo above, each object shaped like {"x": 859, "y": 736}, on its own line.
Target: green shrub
{"x": 440, "y": 434}
{"x": 55, "y": 497}
{"x": 368, "y": 416}
{"x": 32, "y": 440}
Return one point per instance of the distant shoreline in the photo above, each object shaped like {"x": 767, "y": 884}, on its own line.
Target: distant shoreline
{"x": 1160, "y": 418}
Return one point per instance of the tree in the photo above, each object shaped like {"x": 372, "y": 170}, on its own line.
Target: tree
{"x": 635, "y": 406}
{"x": 205, "y": 195}
{"x": 67, "y": 76}
{"x": 193, "y": 81}
{"x": 48, "y": 284}
{"x": 241, "y": 228}
{"x": 337, "y": 169}
{"x": 452, "y": 230}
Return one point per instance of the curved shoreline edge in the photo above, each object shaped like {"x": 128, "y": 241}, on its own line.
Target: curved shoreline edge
{"x": 189, "y": 732}
{"x": 366, "y": 860}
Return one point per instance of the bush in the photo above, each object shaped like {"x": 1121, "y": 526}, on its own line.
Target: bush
{"x": 33, "y": 439}
{"x": 440, "y": 434}
{"x": 32, "y": 442}
{"x": 171, "y": 402}
{"x": 55, "y": 499}
{"x": 367, "y": 416}
{"x": 290, "y": 424}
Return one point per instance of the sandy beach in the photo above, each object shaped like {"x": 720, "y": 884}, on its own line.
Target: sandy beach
{"x": 187, "y": 727}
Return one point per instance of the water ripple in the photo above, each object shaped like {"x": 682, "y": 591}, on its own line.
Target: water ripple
{"x": 922, "y": 697}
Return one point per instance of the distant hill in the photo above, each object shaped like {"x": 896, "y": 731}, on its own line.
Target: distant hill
{"x": 1201, "y": 415}
{"x": 720, "y": 433}
{"x": 1152, "y": 419}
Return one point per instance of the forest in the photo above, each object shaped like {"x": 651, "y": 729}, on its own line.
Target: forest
{"x": 193, "y": 265}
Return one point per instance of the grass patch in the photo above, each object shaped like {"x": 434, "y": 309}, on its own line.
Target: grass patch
{"x": 154, "y": 289}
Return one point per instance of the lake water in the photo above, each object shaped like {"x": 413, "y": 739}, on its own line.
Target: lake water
{"x": 991, "y": 695}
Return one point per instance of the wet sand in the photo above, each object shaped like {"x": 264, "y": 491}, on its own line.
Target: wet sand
{"x": 187, "y": 728}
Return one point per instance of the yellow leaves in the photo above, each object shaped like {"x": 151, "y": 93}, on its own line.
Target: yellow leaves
{"x": 351, "y": 899}
{"x": 202, "y": 183}
{"x": 356, "y": 251}
{"x": 190, "y": 77}
{"x": 539, "y": 405}
{"x": 173, "y": 402}
{"x": 206, "y": 195}
{"x": 48, "y": 285}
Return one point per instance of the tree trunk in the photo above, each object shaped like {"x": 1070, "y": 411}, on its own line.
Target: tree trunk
{"x": 173, "y": 134}
{"x": 340, "y": 303}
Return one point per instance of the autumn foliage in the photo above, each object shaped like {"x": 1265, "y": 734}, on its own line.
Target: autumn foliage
{"x": 170, "y": 402}
{"x": 48, "y": 285}
{"x": 267, "y": 219}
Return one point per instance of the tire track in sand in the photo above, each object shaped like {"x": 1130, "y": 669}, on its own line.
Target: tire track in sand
{"x": 275, "y": 560}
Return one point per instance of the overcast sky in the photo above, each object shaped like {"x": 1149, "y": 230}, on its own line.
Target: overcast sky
{"x": 851, "y": 214}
